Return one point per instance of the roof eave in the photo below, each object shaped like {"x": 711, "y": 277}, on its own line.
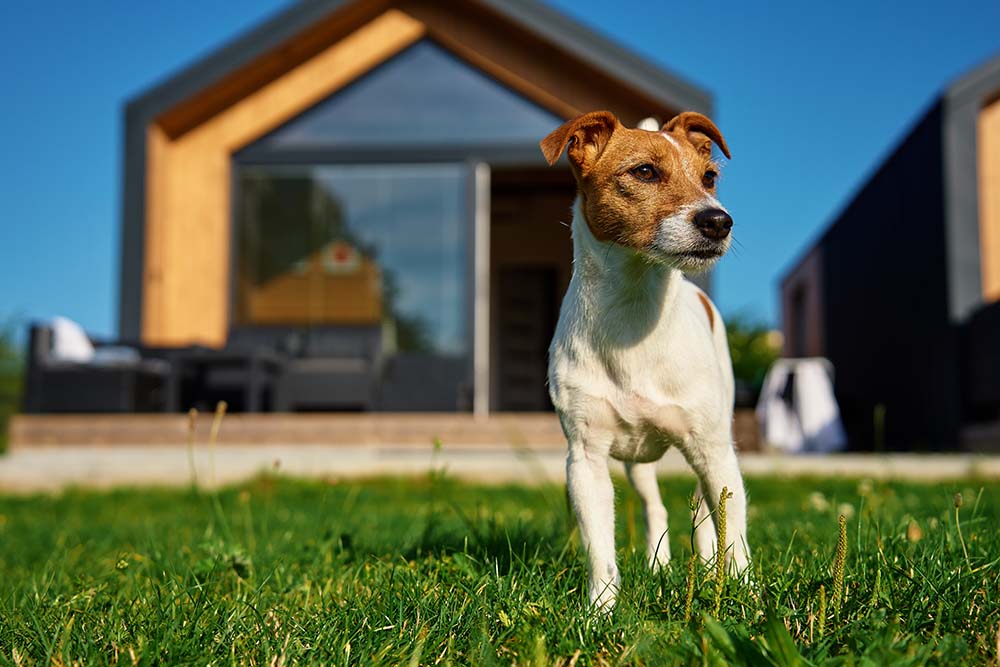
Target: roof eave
{"x": 983, "y": 79}
{"x": 604, "y": 54}
{"x": 231, "y": 56}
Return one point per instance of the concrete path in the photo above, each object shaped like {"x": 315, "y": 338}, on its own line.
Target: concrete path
{"x": 51, "y": 469}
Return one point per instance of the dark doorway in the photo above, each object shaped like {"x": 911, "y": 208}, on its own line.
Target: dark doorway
{"x": 526, "y": 310}
{"x": 531, "y": 260}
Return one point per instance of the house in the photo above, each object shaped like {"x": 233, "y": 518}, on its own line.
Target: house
{"x": 902, "y": 290}
{"x": 364, "y": 177}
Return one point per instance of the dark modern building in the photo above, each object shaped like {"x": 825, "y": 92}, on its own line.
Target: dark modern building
{"x": 901, "y": 291}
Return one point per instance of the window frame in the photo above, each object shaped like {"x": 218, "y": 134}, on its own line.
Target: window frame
{"x": 259, "y": 148}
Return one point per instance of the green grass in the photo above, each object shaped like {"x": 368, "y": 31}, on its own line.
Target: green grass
{"x": 431, "y": 571}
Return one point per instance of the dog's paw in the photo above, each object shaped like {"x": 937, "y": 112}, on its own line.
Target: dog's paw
{"x": 603, "y": 601}
{"x": 603, "y": 594}
{"x": 738, "y": 563}
{"x": 659, "y": 560}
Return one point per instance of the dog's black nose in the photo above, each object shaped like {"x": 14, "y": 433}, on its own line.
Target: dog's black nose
{"x": 713, "y": 223}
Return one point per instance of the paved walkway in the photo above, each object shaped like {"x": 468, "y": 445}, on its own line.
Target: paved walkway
{"x": 51, "y": 469}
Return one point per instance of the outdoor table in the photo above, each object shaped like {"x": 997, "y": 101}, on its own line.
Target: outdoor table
{"x": 259, "y": 366}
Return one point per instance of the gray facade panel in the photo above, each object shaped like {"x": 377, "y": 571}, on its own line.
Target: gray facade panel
{"x": 132, "y": 237}
{"x": 965, "y": 286}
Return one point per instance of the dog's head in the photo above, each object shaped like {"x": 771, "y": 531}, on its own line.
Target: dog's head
{"x": 650, "y": 191}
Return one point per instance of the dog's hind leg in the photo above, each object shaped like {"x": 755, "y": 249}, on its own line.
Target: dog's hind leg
{"x": 593, "y": 499}
{"x": 643, "y": 479}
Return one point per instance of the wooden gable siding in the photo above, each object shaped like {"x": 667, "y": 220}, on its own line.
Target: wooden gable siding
{"x": 187, "y": 282}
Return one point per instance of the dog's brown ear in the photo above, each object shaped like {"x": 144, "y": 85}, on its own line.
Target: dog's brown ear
{"x": 699, "y": 130}
{"x": 586, "y": 135}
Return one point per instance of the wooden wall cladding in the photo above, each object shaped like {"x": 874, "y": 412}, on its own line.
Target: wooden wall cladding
{"x": 187, "y": 283}
{"x": 988, "y": 148}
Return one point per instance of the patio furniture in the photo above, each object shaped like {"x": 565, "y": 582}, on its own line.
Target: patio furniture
{"x": 244, "y": 378}
{"x": 333, "y": 368}
{"x": 107, "y": 377}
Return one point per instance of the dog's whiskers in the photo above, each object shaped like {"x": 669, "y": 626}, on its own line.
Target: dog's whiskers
{"x": 736, "y": 249}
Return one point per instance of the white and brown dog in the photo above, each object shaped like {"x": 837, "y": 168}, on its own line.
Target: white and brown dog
{"x": 639, "y": 362}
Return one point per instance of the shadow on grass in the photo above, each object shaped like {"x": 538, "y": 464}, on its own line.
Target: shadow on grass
{"x": 501, "y": 546}
{"x": 448, "y": 522}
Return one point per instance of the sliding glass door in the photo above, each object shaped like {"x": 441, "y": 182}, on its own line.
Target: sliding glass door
{"x": 363, "y": 224}
{"x": 338, "y": 253}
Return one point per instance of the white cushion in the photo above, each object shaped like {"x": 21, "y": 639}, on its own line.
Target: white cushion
{"x": 70, "y": 342}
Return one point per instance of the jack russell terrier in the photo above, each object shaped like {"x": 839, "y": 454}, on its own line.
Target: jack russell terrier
{"x": 639, "y": 362}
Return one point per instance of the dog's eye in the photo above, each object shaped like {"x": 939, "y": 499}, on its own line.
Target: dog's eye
{"x": 708, "y": 180}
{"x": 646, "y": 173}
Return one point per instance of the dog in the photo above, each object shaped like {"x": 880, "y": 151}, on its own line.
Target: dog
{"x": 639, "y": 361}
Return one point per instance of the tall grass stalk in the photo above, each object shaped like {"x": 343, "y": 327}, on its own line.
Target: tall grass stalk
{"x": 958, "y": 527}
{"x": 720, "y": 556}
{"x": 821, "y": 630}
{"x": 192, "y": 425}
{"x": 840, "y": 559}
{"x": 693, "y": 505}
{"x": 213, "y": 435}
{"x": 689, "y": 593}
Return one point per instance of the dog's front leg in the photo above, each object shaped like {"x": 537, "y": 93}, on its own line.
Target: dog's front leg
{"x": 716, "y": 465}
{"x": 592, "y": 496}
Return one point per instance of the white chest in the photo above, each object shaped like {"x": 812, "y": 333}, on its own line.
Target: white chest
{"x": 636, "y": 398}
{"x": 635, "y": 366}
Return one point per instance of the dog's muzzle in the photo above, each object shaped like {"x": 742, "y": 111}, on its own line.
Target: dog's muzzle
{"x": 713, "y": 223}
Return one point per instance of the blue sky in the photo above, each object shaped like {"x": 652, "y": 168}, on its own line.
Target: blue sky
{"x": 809, "y": 95}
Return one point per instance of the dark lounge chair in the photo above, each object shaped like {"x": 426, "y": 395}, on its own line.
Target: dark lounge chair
{"x": 122, "y": 382}
{"x": 326, "y": 368}
{"x": 338, "y": 369}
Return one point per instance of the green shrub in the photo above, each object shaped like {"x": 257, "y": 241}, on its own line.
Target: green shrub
{"x": 11, "y": 378}
{"x": 753, "y": 347}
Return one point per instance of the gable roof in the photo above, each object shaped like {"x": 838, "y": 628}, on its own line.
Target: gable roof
{"x": 294, "y": 36}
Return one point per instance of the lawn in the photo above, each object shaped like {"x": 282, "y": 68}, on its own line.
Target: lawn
{"x": 433, "y": 571}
